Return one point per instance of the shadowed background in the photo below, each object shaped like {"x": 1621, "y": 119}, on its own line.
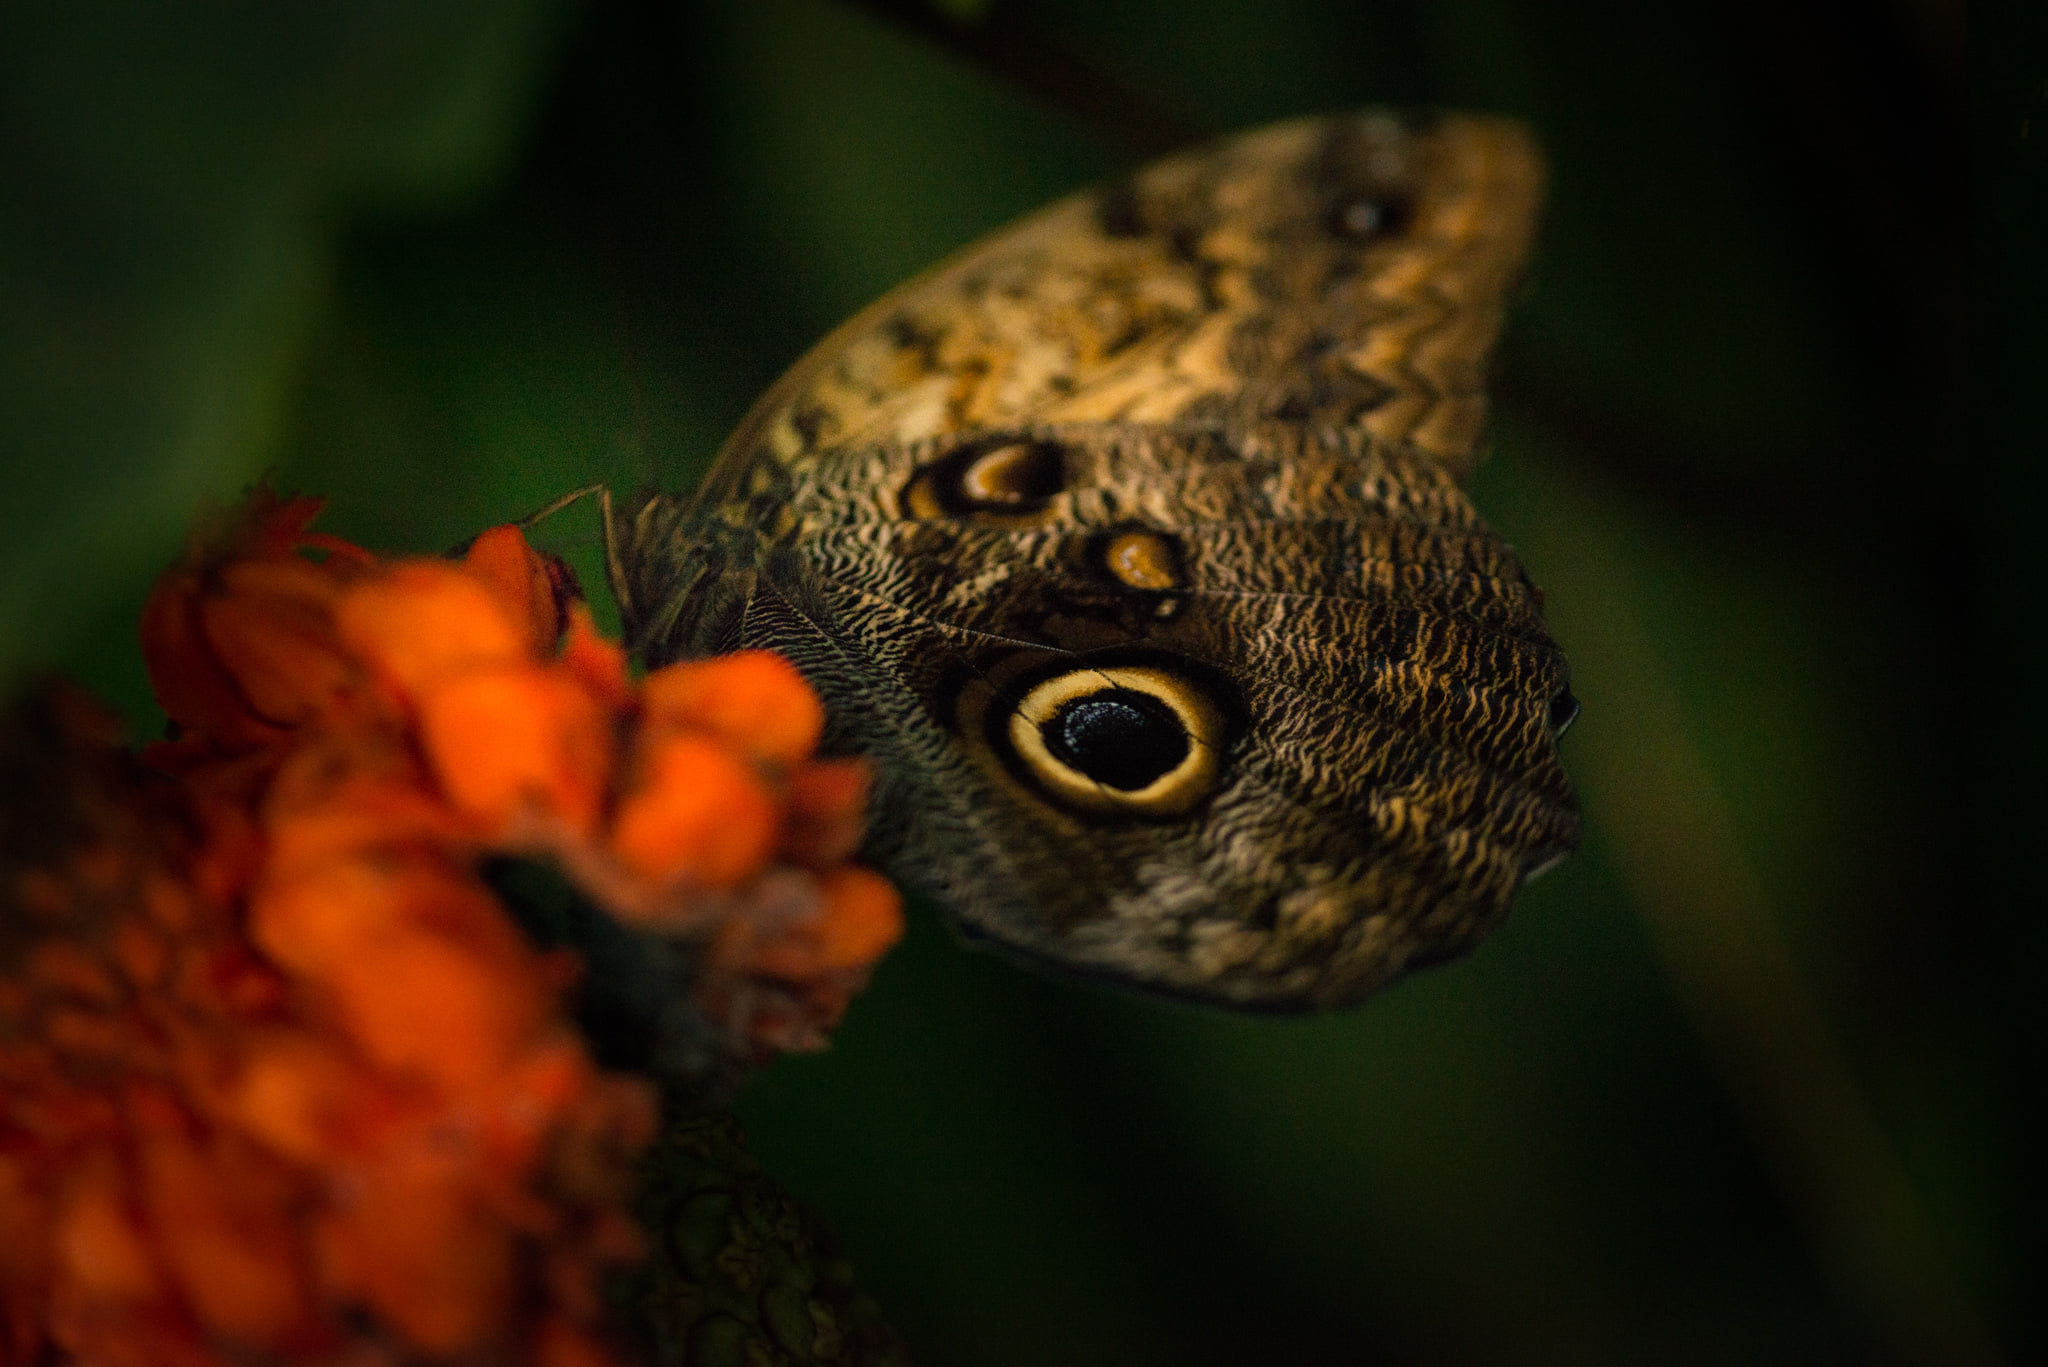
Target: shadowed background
{"x": 1742, "y": 1082}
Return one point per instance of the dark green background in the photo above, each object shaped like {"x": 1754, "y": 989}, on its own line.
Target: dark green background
{"x": 1743, "y": 1082}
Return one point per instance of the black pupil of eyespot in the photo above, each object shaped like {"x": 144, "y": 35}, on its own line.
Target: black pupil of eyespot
{"x": 1121, "y": 738}
{"x": 1564, "y": 710}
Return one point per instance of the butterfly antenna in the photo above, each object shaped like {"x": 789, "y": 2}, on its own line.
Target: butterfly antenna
{"x": 568, "y": 500}
{"x": 614, "y": 543}
{"x": 612, "y": 263}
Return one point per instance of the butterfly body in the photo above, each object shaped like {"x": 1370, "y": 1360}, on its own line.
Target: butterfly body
{"x": 1130, "y": 545}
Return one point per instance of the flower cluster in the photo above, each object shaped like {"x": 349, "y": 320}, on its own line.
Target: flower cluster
{"x": 280, "y": 1079}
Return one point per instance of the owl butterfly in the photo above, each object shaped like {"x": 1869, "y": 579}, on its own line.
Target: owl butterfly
{"x": 1130, "y": 543}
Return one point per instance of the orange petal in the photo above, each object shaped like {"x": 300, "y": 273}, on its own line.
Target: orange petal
{"x": 561, "y": 1344}
{"x": 331, "y": 801}
{"x": 416, "y": 1249}
{"x": 189, "y": 681}
{"x": 142, "y": 953}
{"x": 99, "y": 1248}
{"x": 529, "y": 1098}
{"x": 600, "y": 665}
{"x": 862, "y": 917}
{"x": 291, "y": 1092}
{"x": 236, "y": 697}
{"x": 430, "y": 1004}
{"x": 91, "y": 1038}
{"x": 270, "y": 527}
{"x": 237, "y": 1266}
{"x": 424, "y": 621}
{"x": 753, "y": 699}
{"x": 67, "y": 967}
{"x": 270, "y": 625}
{"x": 289, "y": 584}
{"x": 696, "y": 813}
{"x": 826, "y": 802}
{"x": 504, "y": 742}
{"x": 504, "y": 563}
{"x": 274, "y": 525}
{"x": 322, "y": 913}
{"x": 24, "y": 1216}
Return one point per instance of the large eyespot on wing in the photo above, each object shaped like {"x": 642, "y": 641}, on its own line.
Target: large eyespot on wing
{"x": 1139, "y": 741}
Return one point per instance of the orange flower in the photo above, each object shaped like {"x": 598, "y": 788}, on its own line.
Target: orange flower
{"x": 281, "y": 1079}
{"x": 196, "y": 1126}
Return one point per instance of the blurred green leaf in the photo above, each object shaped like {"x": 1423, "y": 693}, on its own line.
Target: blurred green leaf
{"x": 175, "y": 177}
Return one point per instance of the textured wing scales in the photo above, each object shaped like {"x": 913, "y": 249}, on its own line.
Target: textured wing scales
{"x": 1174, "y": 463}
{"x": 1337, "y": 272}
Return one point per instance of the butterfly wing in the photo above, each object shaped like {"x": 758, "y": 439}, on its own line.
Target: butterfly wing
{"x": 1130, "y": 544}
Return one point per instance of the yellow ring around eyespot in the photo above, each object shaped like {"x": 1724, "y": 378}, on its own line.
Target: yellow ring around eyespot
{"x": 919, "y": 501}
{"x": 1173, "y": 792}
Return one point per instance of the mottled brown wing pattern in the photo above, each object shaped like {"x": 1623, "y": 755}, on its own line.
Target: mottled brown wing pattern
{"x": 1130, "y": 545}
{"x": 1348, "y": 270}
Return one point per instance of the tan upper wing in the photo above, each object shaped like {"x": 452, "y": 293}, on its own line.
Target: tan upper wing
{"x": 1346, "y": 271}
